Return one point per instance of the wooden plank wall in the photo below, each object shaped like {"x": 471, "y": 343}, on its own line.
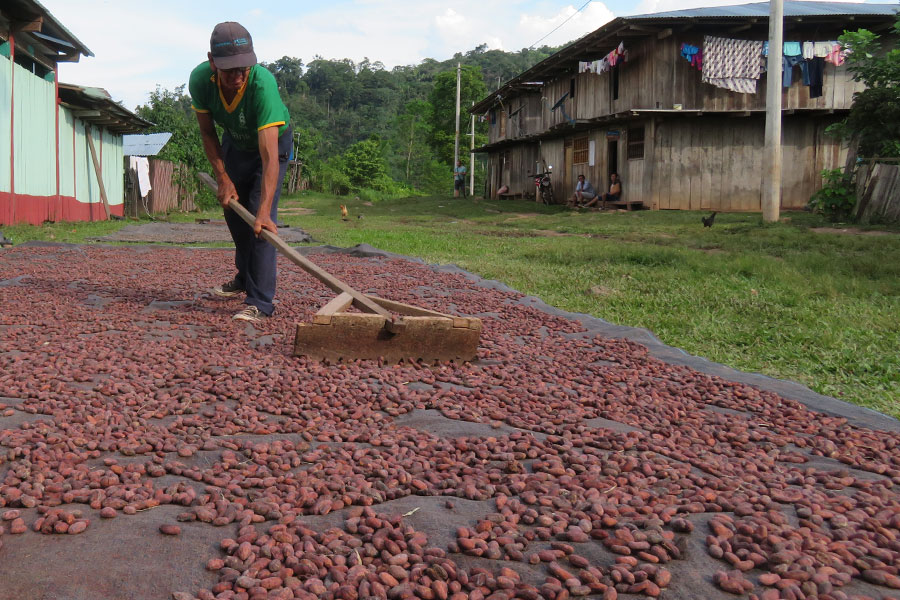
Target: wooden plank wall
{"x": 164, "y": 197}
{"x": 716, "y": 163}
{"x": 878, "y": 193}
{"x": 656, "y": 77}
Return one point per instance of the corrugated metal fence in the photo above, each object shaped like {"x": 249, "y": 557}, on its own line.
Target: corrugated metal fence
{"x": 166, "y": 194}
{"x": 878, "y": 193}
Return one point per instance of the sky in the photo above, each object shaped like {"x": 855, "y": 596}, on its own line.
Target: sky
{"x": 139, "y": 45}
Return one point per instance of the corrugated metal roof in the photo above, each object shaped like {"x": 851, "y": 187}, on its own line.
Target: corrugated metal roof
{"x": 51, "y": 26}
{"x": 757, "y": 13}
{"x": 96, "y": 106}
{"x": 144, "y": 144}
{"x": 792, "y": 8}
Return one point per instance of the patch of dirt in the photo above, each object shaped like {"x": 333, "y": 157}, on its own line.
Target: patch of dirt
{"x": 552, "y": 233}
{"x": 296, "y": 210}
{"x": 518, "y": 216}
{"x": 511, "y": 233}
{"x": 852, "y": 231}
{"x": 602, "y": 291}
{"x": 186, "y": 233}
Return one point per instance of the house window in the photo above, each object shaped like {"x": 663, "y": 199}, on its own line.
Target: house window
{"x": 580, "y": 151}
{"x": 635, "y": 142}
{"x": 31, "y": 65}
{"x": 572, "y": 88}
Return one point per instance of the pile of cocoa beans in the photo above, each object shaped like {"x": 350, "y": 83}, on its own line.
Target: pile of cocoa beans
{"x": 113, "y": 400}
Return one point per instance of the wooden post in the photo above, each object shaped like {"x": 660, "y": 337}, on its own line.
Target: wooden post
{"x": 456, "y": 142}
{"x": 771, "y": 203}
{"x": 472, "y": 157}
{"x": 87, "y": 133}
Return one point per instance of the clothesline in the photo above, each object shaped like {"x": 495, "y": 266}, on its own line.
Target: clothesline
{"x": 602, "y": 65}
{"x": 736, "y": 65}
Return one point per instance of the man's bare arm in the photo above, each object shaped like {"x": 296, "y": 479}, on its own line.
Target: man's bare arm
{"x": 268, "y": 152}
{"x": 213, "y": 150}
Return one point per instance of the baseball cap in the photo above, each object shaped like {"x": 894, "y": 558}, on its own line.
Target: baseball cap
{"x": 231, "y": 46}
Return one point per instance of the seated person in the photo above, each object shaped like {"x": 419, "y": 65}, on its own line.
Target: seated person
{"x": 584, "y": 192}
{"x": 615, "y": 191}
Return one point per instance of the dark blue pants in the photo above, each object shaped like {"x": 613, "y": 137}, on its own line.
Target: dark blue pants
{"x": 253, "y": 256}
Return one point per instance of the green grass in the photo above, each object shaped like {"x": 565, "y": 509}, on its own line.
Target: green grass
{"x": 779, "y": 299}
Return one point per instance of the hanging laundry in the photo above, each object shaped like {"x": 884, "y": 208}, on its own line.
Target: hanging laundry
{"x": 792, "y": 49}
{"x": 693, "y": 55}
{"x": 788, "y": 63}
{"x": 822, "y": 49}
{"x": 141, "y": 166}
{"x": 816, "y": 76}
{"x": 837, "y": 55}
{"x": 731, "y": 64}
{"x": 808, "y": 50}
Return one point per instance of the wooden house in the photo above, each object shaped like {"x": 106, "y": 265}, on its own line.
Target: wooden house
{"x": 676, "y": 142}
{"x": 60, "y": 145}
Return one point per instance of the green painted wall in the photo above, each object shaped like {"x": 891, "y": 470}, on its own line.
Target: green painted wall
{"x": 76, "y": 169}
{"x": 113, "y": 168}
{"x": 5, "y": 107}
{"x": 66, "y": 152}
{"x": 34, "y": 128}
{"x": 86, "y": 188}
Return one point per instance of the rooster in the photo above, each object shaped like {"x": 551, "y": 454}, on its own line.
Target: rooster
{"x": 343, "y": 212}
{"x": 708, "y": 221}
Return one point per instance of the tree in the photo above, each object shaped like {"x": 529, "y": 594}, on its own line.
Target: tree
{"x": 874, "y": 118}
{"x": 364, "y": 164}
{"x": 288, "y": 72}
{"x": 170, "y": 111}
{"x": 443, "y": 113}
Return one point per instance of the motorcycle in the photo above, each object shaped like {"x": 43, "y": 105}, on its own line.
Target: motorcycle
{"x": 543, "y": 187}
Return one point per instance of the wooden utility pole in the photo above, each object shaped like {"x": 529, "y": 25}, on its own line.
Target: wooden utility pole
{"x": 456, "y": 143}
{"x": 472, "y": 156}
{"x": 771, "y": 200}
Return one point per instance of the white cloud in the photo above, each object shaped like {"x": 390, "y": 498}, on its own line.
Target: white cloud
{"x": 140, "y": 45}
{"x": 144, "y": 48}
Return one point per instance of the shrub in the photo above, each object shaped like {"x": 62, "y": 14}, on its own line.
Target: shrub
{"x": 837, "y": 197}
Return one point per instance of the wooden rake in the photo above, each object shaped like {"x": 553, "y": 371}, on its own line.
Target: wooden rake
{"x": 417, "y": 334}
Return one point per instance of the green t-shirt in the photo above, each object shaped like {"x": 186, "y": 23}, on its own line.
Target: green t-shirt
{"x": 256, "y": 106}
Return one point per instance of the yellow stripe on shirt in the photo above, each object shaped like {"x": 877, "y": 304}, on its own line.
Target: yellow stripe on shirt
{"x": 267, "y": 125}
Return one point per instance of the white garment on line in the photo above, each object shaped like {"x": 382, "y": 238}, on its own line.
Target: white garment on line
{"x": 808, "y": 50}
{"x": 141, "y": 165}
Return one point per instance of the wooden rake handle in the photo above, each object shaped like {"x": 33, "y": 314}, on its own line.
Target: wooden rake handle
{"x": 360, "y": 301}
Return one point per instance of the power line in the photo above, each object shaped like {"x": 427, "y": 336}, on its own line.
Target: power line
{"x": 560, "y": 25}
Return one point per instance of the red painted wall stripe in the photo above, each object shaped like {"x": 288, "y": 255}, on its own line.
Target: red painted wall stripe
{"x": 34, "y": 210}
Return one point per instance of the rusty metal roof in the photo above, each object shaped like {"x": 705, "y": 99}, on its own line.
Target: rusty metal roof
{"x": 95, "y": 105}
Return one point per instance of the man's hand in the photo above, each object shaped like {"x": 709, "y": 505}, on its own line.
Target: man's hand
{"x": 264, "y": 222}
{"x": 226, "y": 192}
